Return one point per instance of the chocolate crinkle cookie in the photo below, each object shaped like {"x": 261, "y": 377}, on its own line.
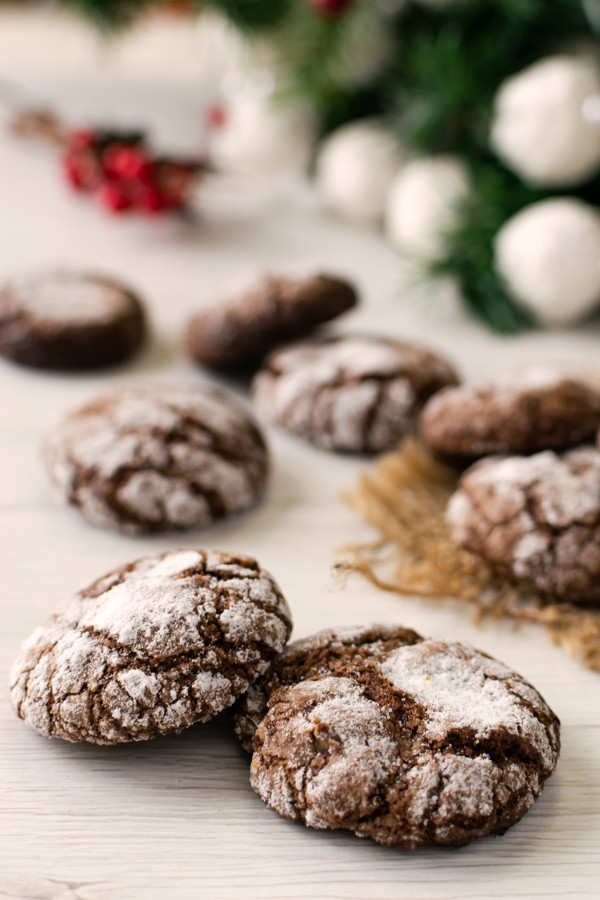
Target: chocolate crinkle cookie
{"x": 428, "y": 743}
{"x": 525, "y": 412}
{"x": 535, "y": 520}
{"x": 356, "y": 394}
{"x": 239, "y": 332}
{"x": 151, "y": 648}
{"x": 327, "y": 652}
{"x": 69, "y": 320}
{"x": 159, "y": 458}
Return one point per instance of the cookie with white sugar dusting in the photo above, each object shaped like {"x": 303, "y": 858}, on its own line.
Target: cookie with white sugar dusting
{"x": 327, "y": 652}
{"x": 429, "y": 743}
{"x": 535, "y": 520}
{"x": 152, "y": 459}
{"x": 523, "y": 412}
{"x": 355, "y": 394}
{"x": 151, "y": 648}
{"x": 69, "y": 320}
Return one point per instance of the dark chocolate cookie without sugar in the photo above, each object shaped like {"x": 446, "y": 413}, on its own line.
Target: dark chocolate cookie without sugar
{"x": 240, "y": 331}
{"x": 69, "y": 320}
{"x": 525, "y": 412}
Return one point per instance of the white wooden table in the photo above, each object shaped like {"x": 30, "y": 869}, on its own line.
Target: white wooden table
{"x": 176, "y": 818}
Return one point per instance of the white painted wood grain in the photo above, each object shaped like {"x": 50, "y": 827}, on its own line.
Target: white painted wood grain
{"x": 176, "y": 819}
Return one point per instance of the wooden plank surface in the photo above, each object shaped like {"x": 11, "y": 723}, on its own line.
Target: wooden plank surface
{"x": 176, "y": 818}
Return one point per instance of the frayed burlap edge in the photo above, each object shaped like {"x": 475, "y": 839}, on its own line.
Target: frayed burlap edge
{"x": 404, "y": 498}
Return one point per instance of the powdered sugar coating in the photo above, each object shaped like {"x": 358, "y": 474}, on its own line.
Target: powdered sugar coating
{"x": 537, "y": 408}
{"x": 460, "y": 688}
{"x": 148, "y": 649}
{"x": 388, "y": 752}
{"x": 327, "y": 652}
{"x": 337, "y": 708}
{"x": 535, "y": 520}
{"x": 354, "y": 394}
{"x": 68, "y": 297}
{"x": 69, "y": 320}
{"x": 150, "y": 459}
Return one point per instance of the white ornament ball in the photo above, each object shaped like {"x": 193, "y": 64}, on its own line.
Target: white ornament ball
{"x": 422, "y": 204}
{"x": 549, "y": 258}
{"x": 354, "y": 169}
{"x": 219, "y": 46}
{"x": 260, "y": 135}
{"x": 223, "y": 50}
{"x": 540, "y": 128}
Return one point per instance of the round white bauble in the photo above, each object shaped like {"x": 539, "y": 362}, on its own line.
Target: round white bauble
{"x": 218, "y": 45}
{"x": 260, "y": 135}
{"x": 222, "y": 49}
{"x": 548, "y": 255}
{"x": 354, "y": 169}
{"x": 539, "y": 128}
{"x": 422, "y": 203}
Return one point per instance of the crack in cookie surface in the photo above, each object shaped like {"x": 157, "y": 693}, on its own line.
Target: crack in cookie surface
{"x": 327, "y": 652}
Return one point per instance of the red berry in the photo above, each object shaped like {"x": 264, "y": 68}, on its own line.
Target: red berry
{"x": 82, "y": 170}
{"x": 107, "y": 159}
{"x": 124, "y": 176}
{"x": 81, "y": 138}
{"x": 73, "y": 173}
{"x": 126, "y": 162}
{"x": 216, "y": 115}
{"x": 113, "y": 198}
{"x": 109, "y": 155}
{"x": 331, "y": 8}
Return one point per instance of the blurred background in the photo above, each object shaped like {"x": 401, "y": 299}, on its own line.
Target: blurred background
{"x": 466, "y": 133}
